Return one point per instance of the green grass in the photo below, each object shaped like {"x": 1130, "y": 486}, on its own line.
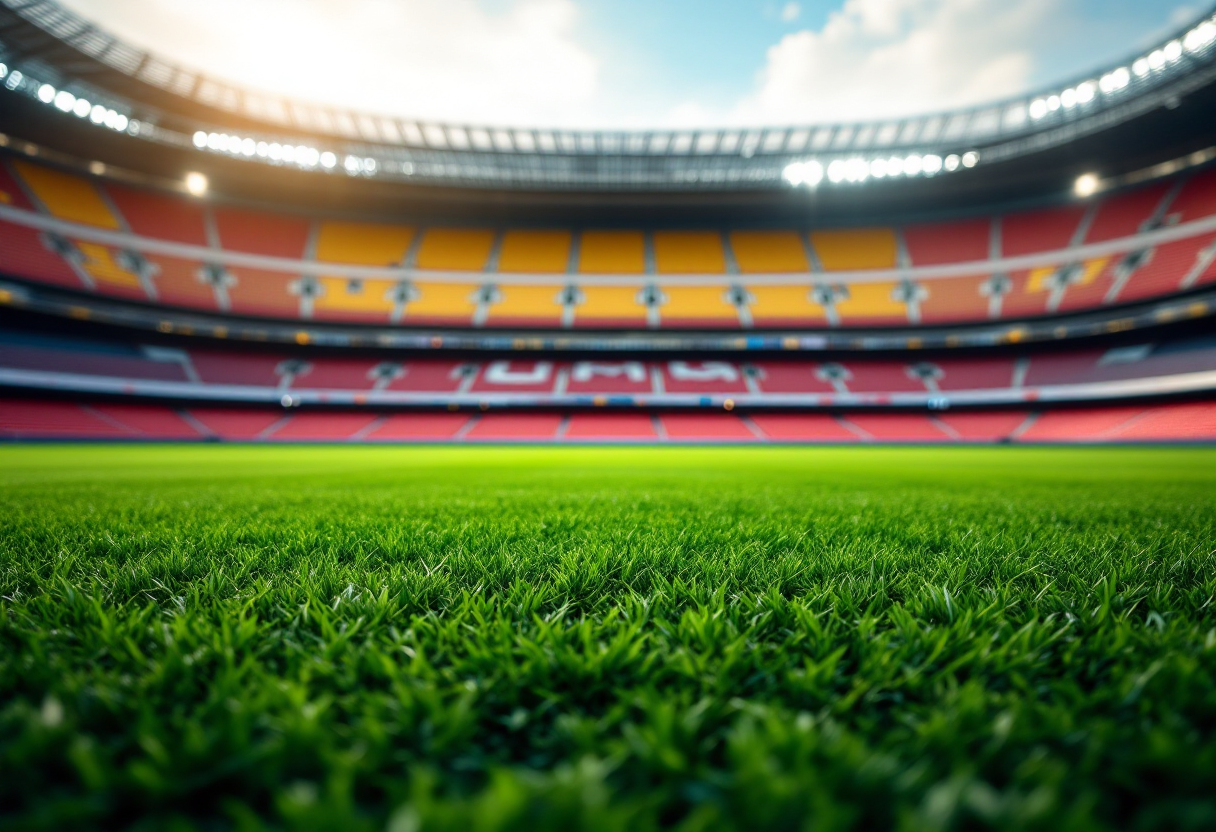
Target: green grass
{"x": 609, "y": 639}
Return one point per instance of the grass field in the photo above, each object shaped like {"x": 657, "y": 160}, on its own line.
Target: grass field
{"x": 609, "y": 639}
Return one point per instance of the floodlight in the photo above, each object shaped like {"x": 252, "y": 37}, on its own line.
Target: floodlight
{"x": 328, "y": 160}
{"x": 970, "y": 159}
{"x": 248, "y": 147}
{"x": 1156, "y": 59}
{"x": 46, "y": 93}
{"x": 200, "y": 139}
{"x": 1141, "y": 67}
{"x": 1195, "y": 40}
{"x": 1087, "y": 185}
{"x": 1038, "y": 108}
{"x": 931, "y": 164}
{"x": 196, "y": 183}
{"x": 912, "y": 165}
{"x": 837, "y": 171}
{"x": 1173, "y": 50}
{"x": 952, "y": 162}
{"x": 3, "y": 70}
{"x": 82, "y": 108}
{"x": 895, "y": 166}
{"x": 121, "y": 122}
{"x": 878, "y": 168}
{"x": 1069, "y": 97}
{"x": 64, "y": 101}
{"x": 369, "y": 166}
{"x": 856, "y": 170}
{"x": 1115, "y": 80}
{"x": 276, "y": 151}
{"x": 263, "y": 150}
{"x": 98, "y": 116}
{"x": 1086, "y": 92}
{"x": 1053, "y": 103}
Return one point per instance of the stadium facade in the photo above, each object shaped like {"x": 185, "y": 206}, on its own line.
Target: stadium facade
{"x": 182, "y": 258}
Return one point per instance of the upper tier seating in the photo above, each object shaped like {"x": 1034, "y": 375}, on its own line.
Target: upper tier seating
{"x": 600, "y": 278}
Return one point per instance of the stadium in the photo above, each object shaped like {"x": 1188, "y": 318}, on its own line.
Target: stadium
{"x": 365, "y": 471}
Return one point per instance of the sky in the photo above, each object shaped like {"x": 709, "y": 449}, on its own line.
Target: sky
{"x": 634, "y": 64}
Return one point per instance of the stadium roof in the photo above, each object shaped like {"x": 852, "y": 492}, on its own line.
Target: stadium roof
{"x": 64, "y": 61}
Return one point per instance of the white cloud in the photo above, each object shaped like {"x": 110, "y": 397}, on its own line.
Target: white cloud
{"x": 449, "y": 60}
{"x": 790, "y": 12}
{"x": 884, "y": 58}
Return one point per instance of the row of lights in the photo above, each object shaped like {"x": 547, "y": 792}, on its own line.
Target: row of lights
{"x": 1196, "y": 40}
{"x": 812, "y": 172}
{"x": 99, "y": 114}
{"x": 302, "y": 155}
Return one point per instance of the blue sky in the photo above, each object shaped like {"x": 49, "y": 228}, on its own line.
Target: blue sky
{"x": 637, "y": 63}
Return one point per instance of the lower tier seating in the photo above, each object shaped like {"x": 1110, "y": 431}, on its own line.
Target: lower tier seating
{"x": 42, "y": 419}
{"x": 1171, "y": 365}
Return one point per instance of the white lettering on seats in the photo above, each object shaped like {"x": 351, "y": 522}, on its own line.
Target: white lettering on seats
{"x": 632, "y": 371}
{"x": 500, "y": 372}
{"x": 703, "y": 371}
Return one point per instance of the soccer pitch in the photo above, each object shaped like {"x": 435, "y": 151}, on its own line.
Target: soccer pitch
{"x": 613, "y": 639}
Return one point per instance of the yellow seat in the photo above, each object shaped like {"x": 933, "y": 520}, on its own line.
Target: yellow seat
{"x": 535, "y": 251}
{"x": 443, "y": 300}
{"x": 531, "y": 302}
{"x": 855, "y": 248}
{"x": 1037, "y": 280}
{"x": 871, "y": 300}
{"x": 784, "y": 303}
{"x": 769, "y": 252}
{"x": 612, "y": 252}
{"x": 689, "y": 252}
{"x": 338, "y": 294}
{"x": 706, "y": 303}
{"x": 455, "y": 249}
{"x": 99, "y": 262}
{"x": 603, "y": 303}
{"x": 362, "y": 244}
{"x": 67, "y": 197}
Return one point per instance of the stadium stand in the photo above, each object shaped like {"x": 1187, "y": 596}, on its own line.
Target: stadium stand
{"x": 535, "y": 252}
{"x": 611, "y": 427}
{"x": 235, "y": 425}
{"x": 964, "y": 241}
{"x": 716, "y": 427}
{"x": 67, "y": 363}
{"x": 897, "y": 427}
{"x": 769, "y": 252}
{"x": 418, "y": 427}
{"x": 612, "y": 252}
{"x": 455, "y": 249}
{"x": 689, "y": 252}
{"x": 148, "y": 421}
{"x": 323, "y": 427}
{"x": 828, "y": 296}
{"x": 42, "y": 419}
{"x": 855, "y": 249}
{"x": 515, "y": 427}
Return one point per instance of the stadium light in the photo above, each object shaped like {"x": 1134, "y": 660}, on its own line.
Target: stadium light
{"x": 196, "y": 183}
{"x": 46, "y": 93}
{"x": 1087, "y": 185}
